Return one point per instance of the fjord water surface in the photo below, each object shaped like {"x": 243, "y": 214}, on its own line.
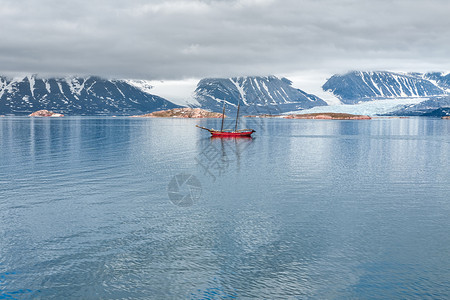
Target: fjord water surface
{"x": 96, "y": 208}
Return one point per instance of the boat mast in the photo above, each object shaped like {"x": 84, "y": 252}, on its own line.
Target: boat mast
{"x": 237, "y": 114}
{"x": 223, "y": 114}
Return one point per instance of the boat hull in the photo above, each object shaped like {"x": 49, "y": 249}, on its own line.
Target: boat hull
{"x": 231, "y": 133}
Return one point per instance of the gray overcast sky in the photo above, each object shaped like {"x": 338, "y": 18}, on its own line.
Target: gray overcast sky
{"x": 178, "y": 39}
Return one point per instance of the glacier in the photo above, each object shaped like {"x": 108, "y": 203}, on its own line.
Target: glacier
{"x": 370, "y": 108}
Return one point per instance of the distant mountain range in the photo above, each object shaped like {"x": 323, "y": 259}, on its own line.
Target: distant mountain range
{"x": 256, "y": 94}
{"x": 78, "y": 96}
{"x": 357, "y": 86}
{"x": 434, "y": 87}
{"x": 99, "y": 96}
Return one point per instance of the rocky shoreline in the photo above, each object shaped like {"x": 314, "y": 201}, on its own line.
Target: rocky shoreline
{"x": 316, "y": 116}
{"x": 45, "y": 113}
{"x": 195, "y": 113}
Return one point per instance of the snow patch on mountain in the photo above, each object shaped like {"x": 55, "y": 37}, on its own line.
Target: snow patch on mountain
{"x": 241, "y": 89}
{"x": 144, "y": 85}
{"x": 76, "y": 84}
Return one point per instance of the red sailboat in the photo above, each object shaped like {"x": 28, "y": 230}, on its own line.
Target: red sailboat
{"x": 229, "y": 132}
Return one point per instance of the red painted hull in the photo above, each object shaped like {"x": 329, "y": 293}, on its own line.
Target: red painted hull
{"x": 231, "y": 133}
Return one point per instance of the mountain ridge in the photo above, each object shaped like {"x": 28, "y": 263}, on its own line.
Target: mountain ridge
{"x": 90, "y": 95}
{"x": 256, "y": 94}
{"x": 357, "y": 86}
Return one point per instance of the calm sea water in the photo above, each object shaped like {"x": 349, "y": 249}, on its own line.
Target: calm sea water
{"x": 123, "y": 208}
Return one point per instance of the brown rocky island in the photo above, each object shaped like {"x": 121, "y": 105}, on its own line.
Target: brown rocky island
{"x": 316, "y": 116}
{"x": 186, "y": 112}
{"x": 328, "y": 116}
{"x": 45, "y": 113}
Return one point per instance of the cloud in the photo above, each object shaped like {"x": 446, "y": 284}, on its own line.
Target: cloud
{"x": 192, "y": 38}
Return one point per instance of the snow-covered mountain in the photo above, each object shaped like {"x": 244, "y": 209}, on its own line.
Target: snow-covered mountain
{"x": 436, "y": 107}
{"x": 356, "y": 86}
{"x": 440, "y": 79}
{"x": 78, "y": 96}
{"x": 256, "y": 94}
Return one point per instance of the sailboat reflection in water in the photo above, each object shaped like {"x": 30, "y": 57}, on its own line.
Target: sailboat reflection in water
{"x": 219, "y": 154}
